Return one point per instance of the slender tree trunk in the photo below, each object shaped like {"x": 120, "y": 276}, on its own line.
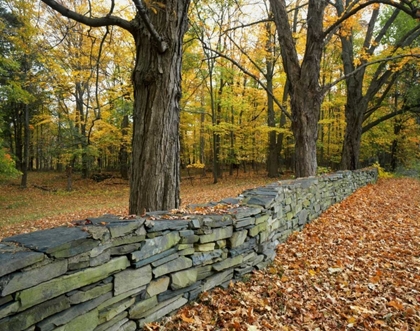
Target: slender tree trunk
{"x": 25, "y": 163}
{"x": 157, "y": 91}
{"x": 123, "y": 153}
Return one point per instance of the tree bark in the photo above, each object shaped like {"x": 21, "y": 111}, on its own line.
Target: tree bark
{"x": 157, "y": 90}
{"x": 305, "y": 91}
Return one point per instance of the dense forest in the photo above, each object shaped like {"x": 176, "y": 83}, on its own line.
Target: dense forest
{"x": 268, "y": 86}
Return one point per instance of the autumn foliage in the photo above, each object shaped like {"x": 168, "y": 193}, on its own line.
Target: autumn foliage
{"x": 357, "y": 267}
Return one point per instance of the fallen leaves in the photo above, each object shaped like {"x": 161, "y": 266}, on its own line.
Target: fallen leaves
{"x": 30, "y": 210}
{"x": 357, "y": 267}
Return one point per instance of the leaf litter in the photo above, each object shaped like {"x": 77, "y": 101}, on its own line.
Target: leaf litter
{"x": 356, "y": 267}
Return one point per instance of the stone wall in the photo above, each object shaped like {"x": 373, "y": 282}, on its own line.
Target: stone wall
{"x": 117, "y": 274}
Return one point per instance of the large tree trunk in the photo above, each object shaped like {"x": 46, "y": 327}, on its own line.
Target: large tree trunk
{"x": 305, "y": 92}
{"x": 157, "y": 78}
{"x": 306, "y": 105}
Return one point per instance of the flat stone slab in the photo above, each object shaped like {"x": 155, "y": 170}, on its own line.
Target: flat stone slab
{"x": 11, "y": 261}
{"x": 58, "y": 242}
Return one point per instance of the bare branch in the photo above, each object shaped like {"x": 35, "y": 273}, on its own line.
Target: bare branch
{"x": 90, "y": 21}
{"x": 328, "y": 86}
{"x": 409, "y": 9}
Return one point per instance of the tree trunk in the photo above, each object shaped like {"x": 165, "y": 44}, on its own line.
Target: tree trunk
{"x": 123, "y": 153}
{"x": 305, "y": 92}
{"x": 25, "y": 163}
{"x": 157, "y": 91}
{"x": 306, "y": 105}
{"x": 353, "y": 135}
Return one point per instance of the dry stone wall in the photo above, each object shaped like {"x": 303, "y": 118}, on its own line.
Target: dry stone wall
{"x": 117, "y": 274}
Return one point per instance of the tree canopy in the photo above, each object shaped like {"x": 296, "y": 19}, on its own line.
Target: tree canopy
{"x": 270, "y": 86}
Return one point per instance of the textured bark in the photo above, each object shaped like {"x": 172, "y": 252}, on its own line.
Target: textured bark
{"x": 157, "y": 76}
{"x": 305, "y": 92}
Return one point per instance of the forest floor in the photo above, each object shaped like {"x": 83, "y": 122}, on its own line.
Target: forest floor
{"x": 356, "y": 267}
{"x": 46, "y": 203}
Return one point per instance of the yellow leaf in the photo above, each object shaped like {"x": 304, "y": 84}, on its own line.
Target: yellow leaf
{"x": 351, "y": 320}
{"x": 312, "y": 272}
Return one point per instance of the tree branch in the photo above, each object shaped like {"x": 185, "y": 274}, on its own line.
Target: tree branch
{"x": 90, "y": 21}
{"x": 234, "y": 62}
{"x": 409, "y": 9}
{"x": 328, "y": 86}
{"x": 162, "y": 45}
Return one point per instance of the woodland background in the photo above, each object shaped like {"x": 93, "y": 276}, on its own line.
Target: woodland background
{"x": 66, "y": 94}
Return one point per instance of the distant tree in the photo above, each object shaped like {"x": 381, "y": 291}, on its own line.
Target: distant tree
{"x": 303, "y": 73}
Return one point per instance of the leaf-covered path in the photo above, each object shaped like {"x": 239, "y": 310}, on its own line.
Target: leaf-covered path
{"x": 357, "y": 267}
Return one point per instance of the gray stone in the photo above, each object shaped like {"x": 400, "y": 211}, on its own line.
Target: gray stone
{"x": 217, "y": 221}
{"x": 163, "y": 225}
{"x": 246, "y": 247}
{"x": 6, "y": 299}
{"x": 303, "y": 217}
{"x": 34, "y": 315}
{"x": 100, "y": 259}
{"x": 57, "y": 242}
{"x": 156, "y": 246}
{"x": 158, "y": 286}
{"x": 9, "y": 309}
{"x": 126, "y": 240}
{"x": 163, "y": 309}
{"x": 78, "y": 296}
{"x": 155, "y": 258}
{"x": 12, "y": 261}
{"x": 257, "y": 229}
{"x": 231, "y": 201}
{"x": 204, "y": 272}
{"x": 130, "y": 279}
{"x": 86, "y": 322}
{"x": 217, "y": 279}
{"x": 195, "y": 224}
{"x": 165, "y": 259}
{"x": 246, "y": 222}
{"x": 244, "y": 212}
{"x": 67, "y": 283}
{"x": 260, "y": 200}
{"x": 206, "y": 247}
{"x": 22, "y": 280}
{"x": 170, "y": 294}
{"x": 172, "y": 266}
{"x": 194, "y": 293}
{"x": 111, "y": 311}
{"x": 203, "y": 258}
{"x": 71, "y": 313}
{"x": 187, "y": 251}
{"x": 237, "y": 238}
{"x": 122, "y": 228}
{"x": 182, "y": 279}
{"x": 100, "y": 249}
{"x": 117, "y": 321}
{"x": 228, "y": 263}
{"x": 138, "y": 309}
{"x": 121, "y": 325}
{"x": 125, "y": 249}
{"x": 217, "y": 234}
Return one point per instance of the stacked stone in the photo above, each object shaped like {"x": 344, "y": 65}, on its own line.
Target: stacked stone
{"x": 109, "y": 273}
